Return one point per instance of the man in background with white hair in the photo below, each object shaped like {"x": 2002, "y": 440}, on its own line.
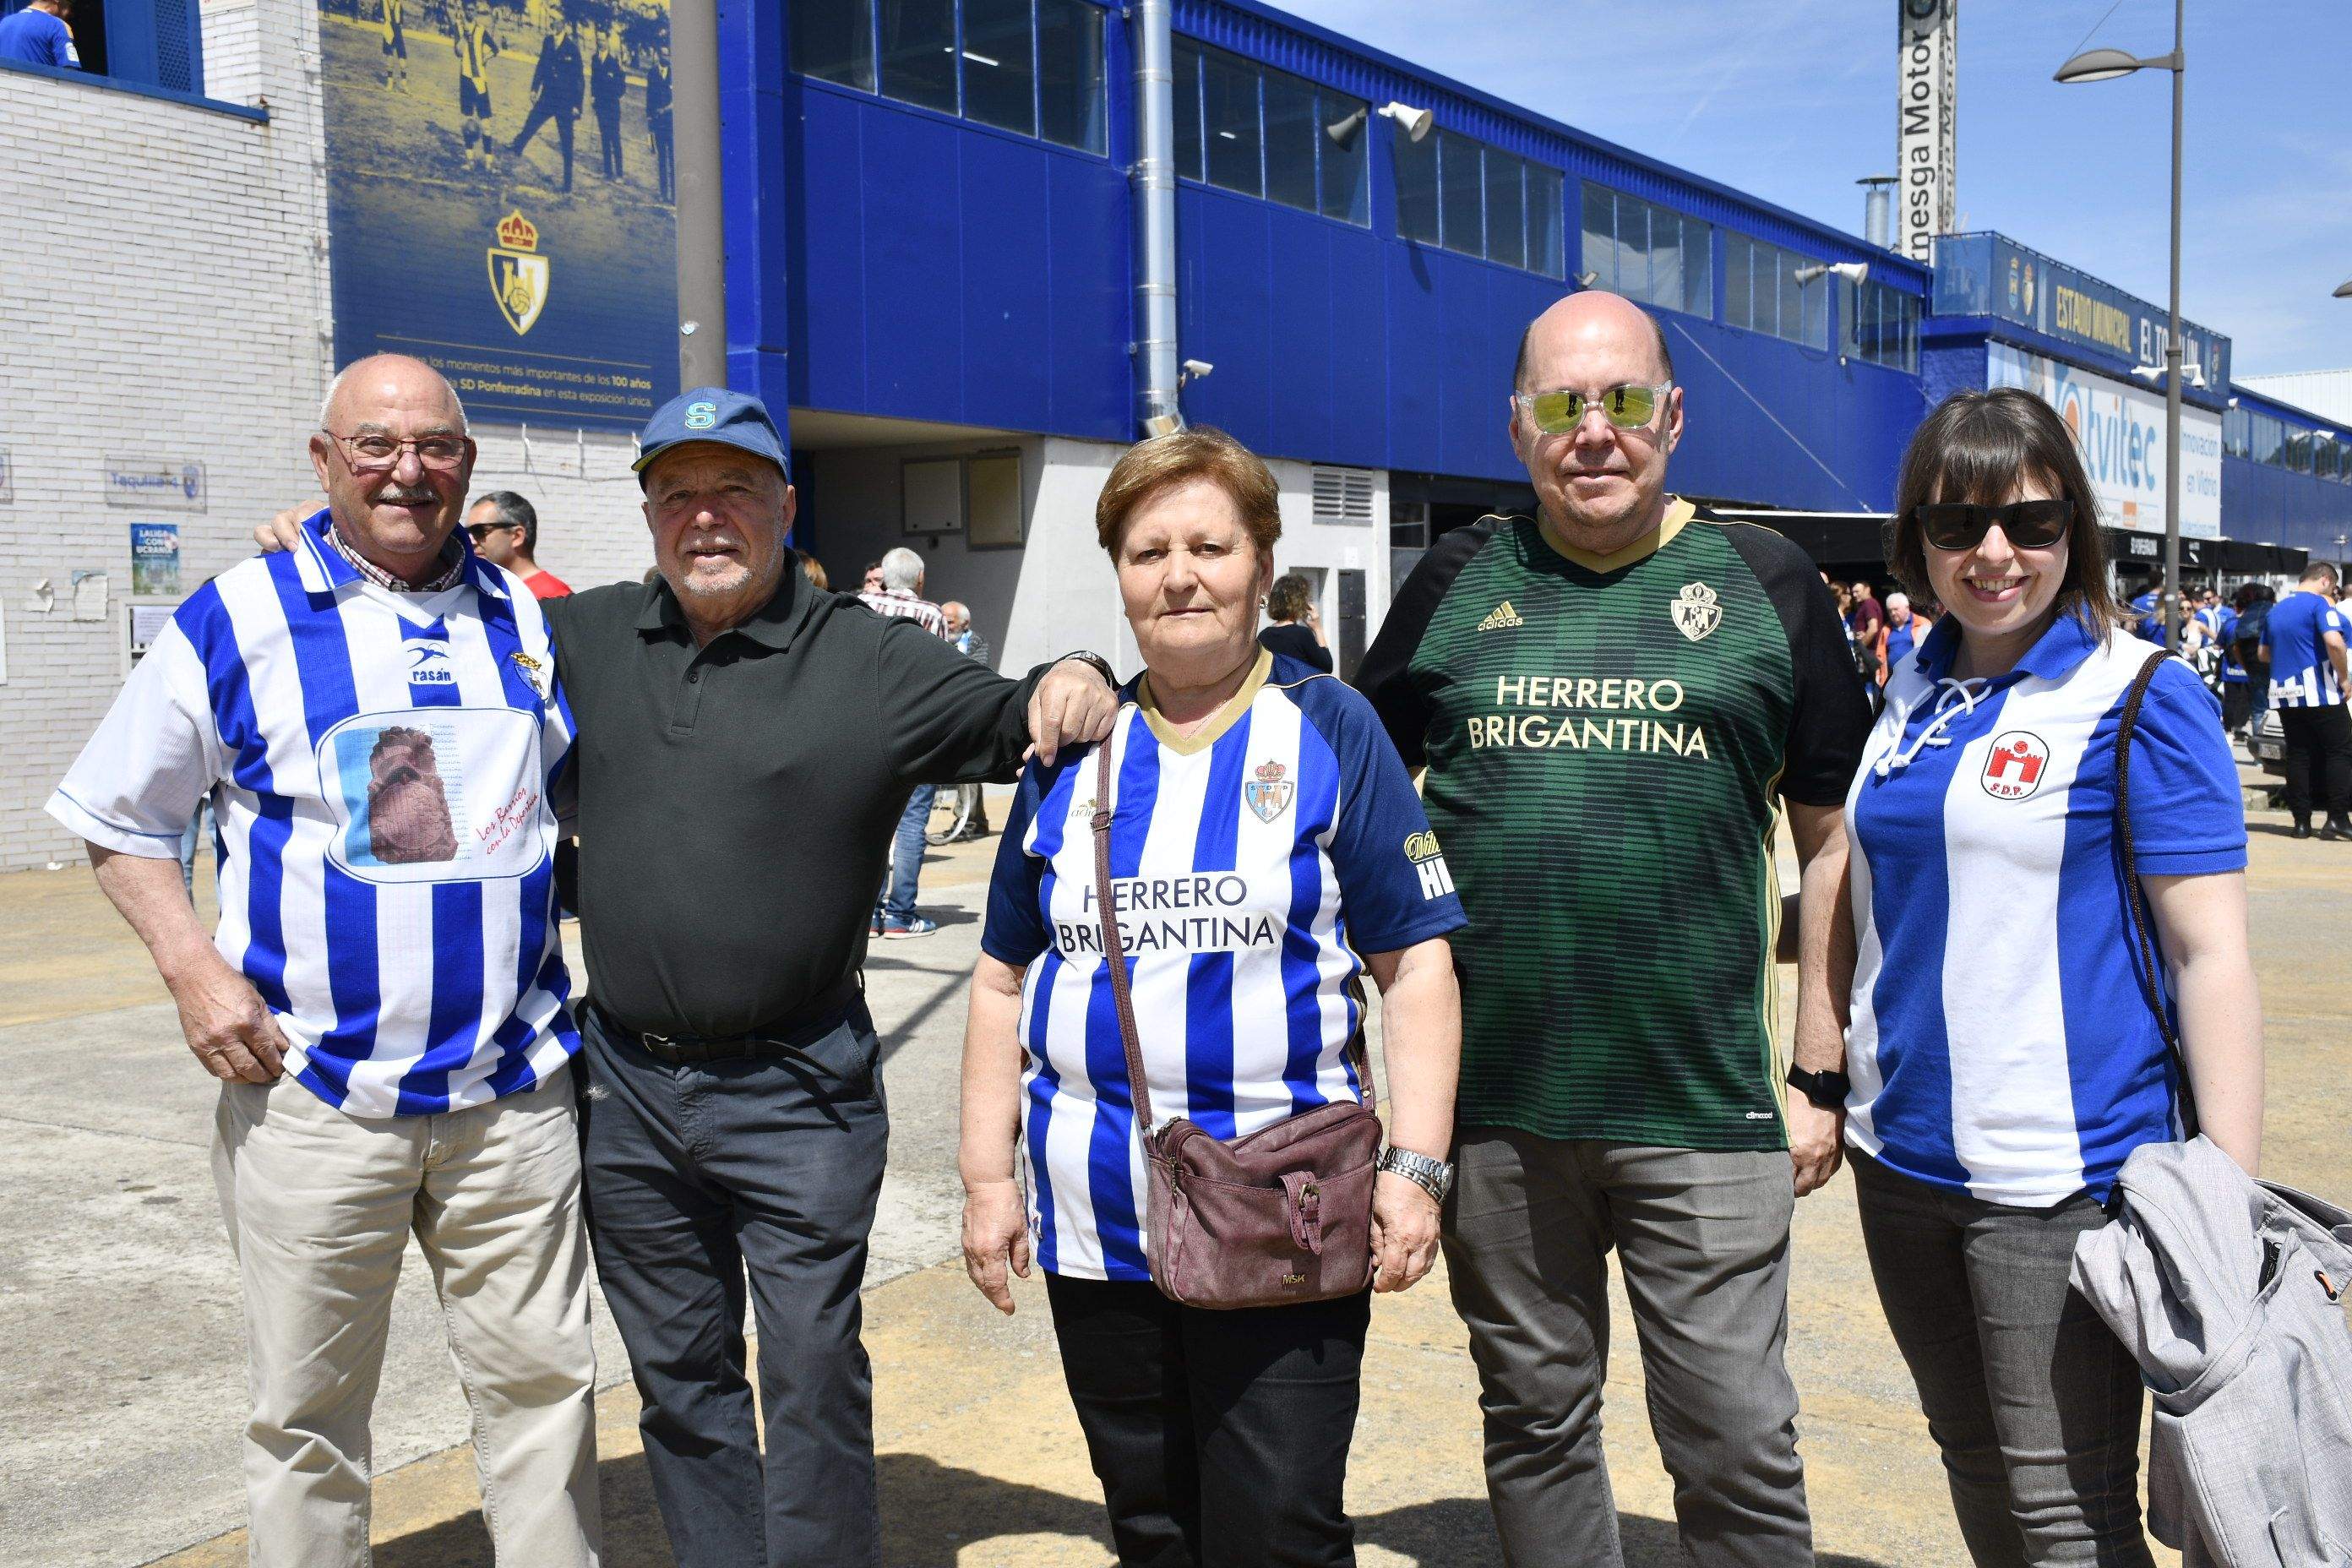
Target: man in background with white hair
{"x": 901, "y": 596}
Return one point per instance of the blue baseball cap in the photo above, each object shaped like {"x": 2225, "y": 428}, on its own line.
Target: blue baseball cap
{"x": 711, "y": 414}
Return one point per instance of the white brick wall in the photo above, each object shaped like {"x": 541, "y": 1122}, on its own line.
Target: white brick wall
{"x": 163, "y": 292}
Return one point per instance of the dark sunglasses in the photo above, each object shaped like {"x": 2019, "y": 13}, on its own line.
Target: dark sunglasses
{"x": 2027, "y": 524}
{"x": 481, "y": 530}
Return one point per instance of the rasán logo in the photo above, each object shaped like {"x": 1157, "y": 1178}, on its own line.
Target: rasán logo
{"x": 2013, "y": 769}
{"x": 517, "y": 273}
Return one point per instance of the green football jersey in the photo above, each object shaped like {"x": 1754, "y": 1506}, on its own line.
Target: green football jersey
{"x": 1607, "y": 742}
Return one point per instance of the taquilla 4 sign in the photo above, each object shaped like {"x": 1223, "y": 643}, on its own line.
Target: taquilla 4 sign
{"x": 2121, "y": 431}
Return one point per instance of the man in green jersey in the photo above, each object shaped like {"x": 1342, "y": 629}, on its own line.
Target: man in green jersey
{"x": 1613, "y": 700}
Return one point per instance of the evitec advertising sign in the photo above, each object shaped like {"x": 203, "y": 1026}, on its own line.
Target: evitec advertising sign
{"x": 1926, "y": 125}
{"x": 2121, "y": 431}
{"x": 500, "y": 190}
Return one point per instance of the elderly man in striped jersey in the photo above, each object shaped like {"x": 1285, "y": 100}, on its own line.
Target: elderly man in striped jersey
{"x": 375, "y": 717}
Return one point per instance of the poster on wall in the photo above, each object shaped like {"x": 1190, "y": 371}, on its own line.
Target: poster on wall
{"x": 2121, "y": 431}
{"x": 155, "y": 558}
{"x": 500, "y": 195}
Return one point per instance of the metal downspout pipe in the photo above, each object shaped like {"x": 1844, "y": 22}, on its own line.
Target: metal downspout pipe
{"x": 1153, "y": 180}
{"x": 701, "y": 209}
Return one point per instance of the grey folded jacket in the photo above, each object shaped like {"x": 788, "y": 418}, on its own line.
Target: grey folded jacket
{"x": 2225, "y": 1290}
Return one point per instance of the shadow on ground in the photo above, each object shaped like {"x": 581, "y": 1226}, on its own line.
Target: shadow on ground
{"x": 921, "y": 1499}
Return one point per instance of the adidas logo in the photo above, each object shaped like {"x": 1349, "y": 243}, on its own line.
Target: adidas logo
{"x": 1503, "y": 616}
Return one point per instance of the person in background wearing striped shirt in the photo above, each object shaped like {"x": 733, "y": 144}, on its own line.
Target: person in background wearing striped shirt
{"x": 901, "y": 597}
{"x": 2303, "y": 642}
{"x": 2003, "y": 1056}
{"x": 1264, "y": 836}
{"x": 374, "y": 716}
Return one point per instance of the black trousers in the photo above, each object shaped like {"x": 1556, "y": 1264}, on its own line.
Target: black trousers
{"x": 1220, "y": 1438}
{"x": 608, "y": 139}
{"x": 2318, "y": 753}
{"x": 2237, "y": 705}
{"x": 697, "y": 1177}
{"x": 541, "y": 113}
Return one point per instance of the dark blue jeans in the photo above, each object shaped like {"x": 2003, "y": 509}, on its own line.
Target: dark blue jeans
{"x": 695, "y": 1177}
{"x": 907, "y": 856}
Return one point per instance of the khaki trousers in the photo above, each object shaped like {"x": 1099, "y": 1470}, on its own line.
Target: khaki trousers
{"x": 319, "y": 1206}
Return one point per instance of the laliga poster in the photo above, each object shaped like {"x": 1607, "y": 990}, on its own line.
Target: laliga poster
{"x": 501, "y": 181}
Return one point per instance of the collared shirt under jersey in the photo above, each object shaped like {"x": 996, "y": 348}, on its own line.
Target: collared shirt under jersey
{"x": 736, "y": 802}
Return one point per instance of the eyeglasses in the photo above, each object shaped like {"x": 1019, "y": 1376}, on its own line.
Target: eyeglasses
{"x": 1628, "y": 408}
{"x": 374, "y": 453}
{"x": 2027, "y": 524}
{"x": 481, "y": 530}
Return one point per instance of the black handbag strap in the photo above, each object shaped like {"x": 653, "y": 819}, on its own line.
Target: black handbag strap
{"x": 2144, "y": 959}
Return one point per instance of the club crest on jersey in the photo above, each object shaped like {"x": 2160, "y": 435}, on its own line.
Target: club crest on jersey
{"x": 1695, "y": 612}
{"x": 2013, "y": 768}
{"x": 531, "y": 668}
{"x": 1269, "y": 793}
{"x": 519, "y": 273}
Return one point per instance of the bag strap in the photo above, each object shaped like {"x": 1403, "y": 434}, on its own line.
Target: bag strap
{"x": 2144, "y": 955}
{"x": 1115, "y": 956}
{"x": 1138, "y": 1087}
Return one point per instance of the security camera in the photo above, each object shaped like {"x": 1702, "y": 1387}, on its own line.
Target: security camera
{"x": 1194, "y": 369}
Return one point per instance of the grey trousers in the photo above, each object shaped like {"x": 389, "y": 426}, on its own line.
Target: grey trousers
{"x": 2035, "y": 1405}
{"x": 1703, "y": 1239}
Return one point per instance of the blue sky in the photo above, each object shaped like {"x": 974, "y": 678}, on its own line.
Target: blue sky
{"x": 1793, "y": 100}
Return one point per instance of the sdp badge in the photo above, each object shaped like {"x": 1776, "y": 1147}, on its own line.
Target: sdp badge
{"x": 518, "y": 274}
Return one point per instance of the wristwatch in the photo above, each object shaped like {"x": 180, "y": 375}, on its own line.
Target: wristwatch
{"x": 1095, "y": 662}
{"x": 1434, "y": 1177}
{"x": 1826, "y": 1090}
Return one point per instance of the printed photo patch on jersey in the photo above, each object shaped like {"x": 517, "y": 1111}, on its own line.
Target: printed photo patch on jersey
{"x": 2013, "y": 768}
{"x": 1695, "y": 612}
{"x": 1268, "y": 794}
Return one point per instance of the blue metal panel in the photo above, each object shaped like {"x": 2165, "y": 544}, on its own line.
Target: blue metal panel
{"x": 1090, "y": 301}
{"x": 1301, "y": 333}
{"x": 826, "y": 288}
{"x": 1006, "y": 248}
{"x": 2275, "y": 506}
{"x": 914, "y": 298}
{"x": 1361, "y": 335}
{"x": 753, "y": 184}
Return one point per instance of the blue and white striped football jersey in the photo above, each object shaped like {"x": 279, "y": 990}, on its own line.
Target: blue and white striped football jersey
{"x": 2302, "y": 674}
{"x": 380, "y": 765}
{"x": 1999, "y": 1043}
{"x": 1252, "y": 864}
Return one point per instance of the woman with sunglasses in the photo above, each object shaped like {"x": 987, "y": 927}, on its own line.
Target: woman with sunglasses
{"x": 2003, "y": 1060}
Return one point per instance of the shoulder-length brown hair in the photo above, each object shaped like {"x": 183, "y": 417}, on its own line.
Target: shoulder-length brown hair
{"x": 1978, "y": 447}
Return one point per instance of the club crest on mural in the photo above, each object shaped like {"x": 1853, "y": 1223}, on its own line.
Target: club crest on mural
{"x": 1695, "y": 612}
{"x": 518, "y": 274}
{"x": 1269, "y": 793}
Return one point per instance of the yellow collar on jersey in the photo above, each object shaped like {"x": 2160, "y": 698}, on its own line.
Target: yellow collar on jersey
{"x": 1223, "y": 719}
{"x": 1679, "y": 513}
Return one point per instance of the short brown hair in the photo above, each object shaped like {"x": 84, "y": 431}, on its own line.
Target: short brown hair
{"x": 1201, "y": 452}
{"x": 1977, "y": 447}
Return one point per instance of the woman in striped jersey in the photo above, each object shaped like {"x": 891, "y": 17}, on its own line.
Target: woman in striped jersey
{"x": 2003, "y": 1059}
{"x": 1267, "y": 848}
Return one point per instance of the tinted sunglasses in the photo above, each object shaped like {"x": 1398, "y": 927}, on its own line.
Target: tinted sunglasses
{"x": 2027, "y": 524}
{"x": 1628, "y": 408}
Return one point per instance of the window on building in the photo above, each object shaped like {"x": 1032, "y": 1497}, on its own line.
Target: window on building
{"x": 1763, "y": 294}
{"x": 833, "y": 40}
{"x": 1187, "y": 103}
{"x": 1648, "y": 252}
{"x": 919, "y": 52}
{"x": 2237, "y": 433}
{"x": 1343, "y": 177}
{"x": 1455, "y": 190}
{"x": 1070, "y": 107}
{"x": 1879, "y": 324}
{"x": 1290, "y": 135}
{"x": 2270, "y": 438}
{"x": 2325, "y": 456}
{"x": 2298, "y": 451}
{"x": 1034, "y": 67}
{"x": 999, "y": 86}
{"x": 1229, "y": 123}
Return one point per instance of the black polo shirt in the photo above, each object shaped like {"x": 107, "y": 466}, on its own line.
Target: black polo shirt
{"x": 737, "y": 802}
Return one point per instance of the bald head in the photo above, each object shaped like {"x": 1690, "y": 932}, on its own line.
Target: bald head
{"x": 394, "y": 378}
{"x": 1592, "y": 311}
{"x": 381, "y": 419}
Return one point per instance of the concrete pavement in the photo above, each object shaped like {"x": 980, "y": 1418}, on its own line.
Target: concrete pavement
{"x": 120, "y": 1367}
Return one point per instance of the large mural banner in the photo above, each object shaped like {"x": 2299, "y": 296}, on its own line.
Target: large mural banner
{"x": 500, "y": 199}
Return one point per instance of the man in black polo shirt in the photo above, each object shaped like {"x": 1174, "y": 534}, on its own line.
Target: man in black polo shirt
{"x": 745, "y": 746}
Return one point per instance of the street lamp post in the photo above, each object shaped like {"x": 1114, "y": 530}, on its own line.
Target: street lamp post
{"x": 2105, "y": 65}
